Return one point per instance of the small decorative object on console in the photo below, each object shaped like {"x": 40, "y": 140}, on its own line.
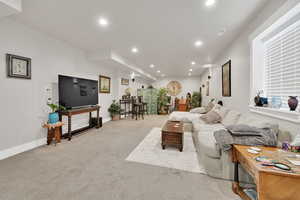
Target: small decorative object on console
{"x": 53, "y": 116}
{"x": 293, "y": 103}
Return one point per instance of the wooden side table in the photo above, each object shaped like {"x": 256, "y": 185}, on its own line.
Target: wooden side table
{"x": 271, "y": 184}
{"x": 54, "y": 131}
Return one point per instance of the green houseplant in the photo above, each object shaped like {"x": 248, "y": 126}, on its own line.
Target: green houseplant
{"x": 196, "y": 99}
{"x": 114, "y": 110}
{"x": 53, "y": 116}
{"x": 162, "y": 101}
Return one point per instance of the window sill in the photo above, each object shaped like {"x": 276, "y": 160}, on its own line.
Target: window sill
{"x": 282, "y": 114}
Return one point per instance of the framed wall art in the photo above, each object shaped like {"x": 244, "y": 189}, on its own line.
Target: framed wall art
{"x": 226, "y": 79}
{"x": 18, "y": 66}
{"x": 104, "y": 84}
{"x": 124, "y": 81}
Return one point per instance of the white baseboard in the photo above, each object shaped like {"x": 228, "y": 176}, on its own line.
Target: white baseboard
{"x": 28, "y": 146}
{"x": 22, "y": 148}
{"x": 106, "y": 120}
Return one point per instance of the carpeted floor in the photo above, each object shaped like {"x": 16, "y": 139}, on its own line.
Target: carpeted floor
{"x": 93, "y": 166}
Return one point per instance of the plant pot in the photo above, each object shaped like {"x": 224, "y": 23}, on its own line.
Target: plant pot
{"x": 53, "y": 118}
{"x": 115, "y": 117}
{"x": 293, "y": 103}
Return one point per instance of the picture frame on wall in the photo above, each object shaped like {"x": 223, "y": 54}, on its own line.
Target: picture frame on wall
{"x": 226, "y": 79}
{"x": 18, "y": 66}
{"x": 124, "y": 81}
{"x": 104, "y": 84}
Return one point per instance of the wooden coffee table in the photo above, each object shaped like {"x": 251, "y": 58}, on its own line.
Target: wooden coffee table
{"x": 172, "y": 134}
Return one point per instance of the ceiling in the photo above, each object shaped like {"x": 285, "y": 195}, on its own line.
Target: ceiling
{"x": 164, "y": 31}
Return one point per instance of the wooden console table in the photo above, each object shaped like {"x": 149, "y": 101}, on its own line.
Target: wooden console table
{"x": 271, "y": 184}
{"x": 70, "y": 113}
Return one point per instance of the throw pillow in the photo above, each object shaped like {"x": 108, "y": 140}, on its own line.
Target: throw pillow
{"x": 231, "y": 118}
{"x": 243, "y": 128}
{"x": 211, "y": 117}
{"x": 200, "y": 110}
{"x": 209, "y": 106}
{"x": 222, "y": 111}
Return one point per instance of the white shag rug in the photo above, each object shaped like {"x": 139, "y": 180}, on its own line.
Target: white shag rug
{"x": 149, "y": 151}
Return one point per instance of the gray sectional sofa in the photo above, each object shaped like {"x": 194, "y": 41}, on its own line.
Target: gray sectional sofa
{"x": 216, "y": 162}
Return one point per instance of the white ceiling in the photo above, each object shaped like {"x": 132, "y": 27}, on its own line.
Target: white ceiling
{"x": 164, "y": 31}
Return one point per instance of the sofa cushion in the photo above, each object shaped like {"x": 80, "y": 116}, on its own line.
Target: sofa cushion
{"x": 222, "y": 111}
{"x": 208, "y": 144}
{"x": 211, "y": 117}
{"x": 231, "y": 118}
{"x": 209, "y": 106}
{"x": 199, "y": 110}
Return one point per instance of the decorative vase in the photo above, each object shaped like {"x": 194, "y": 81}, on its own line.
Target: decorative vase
{"x": 257, "y": 101}
{"x": 53, "y": 118}
{"x": 293, "y": 103}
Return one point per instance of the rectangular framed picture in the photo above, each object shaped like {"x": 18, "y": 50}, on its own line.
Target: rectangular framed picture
{"x": 226, "y": 79}
{"x": 104, "y": 84}
{"x": 124, "y": 81}
{"x": 18, "y": 66}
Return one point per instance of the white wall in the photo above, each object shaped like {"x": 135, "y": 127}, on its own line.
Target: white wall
{"x": 188, "y": 84}
{"x": 239, "y": 54}
{"x": 23, "y": 102}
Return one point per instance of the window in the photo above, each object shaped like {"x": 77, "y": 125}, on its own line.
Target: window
{"x": 282, "y": 64}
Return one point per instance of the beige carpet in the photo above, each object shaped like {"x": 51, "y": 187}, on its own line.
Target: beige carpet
{"x": 149, "y": 152}
{"x": 93, "y": 166}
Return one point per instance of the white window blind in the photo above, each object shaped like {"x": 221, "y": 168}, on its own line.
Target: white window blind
{"x": 282, "y": 64}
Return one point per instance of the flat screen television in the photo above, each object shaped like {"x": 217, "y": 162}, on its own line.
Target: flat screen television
{"x": 77, "y": 92}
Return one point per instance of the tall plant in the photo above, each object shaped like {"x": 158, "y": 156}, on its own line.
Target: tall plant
{"x": 162, "y": 100}
{"x": 196, "y": 99}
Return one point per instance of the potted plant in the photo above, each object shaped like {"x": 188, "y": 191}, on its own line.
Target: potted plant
{"x": 162, "y": 101}
{"x": 114, "y": 110}
{"x": 196, "y": 100}
{"x": 53, "y": 116}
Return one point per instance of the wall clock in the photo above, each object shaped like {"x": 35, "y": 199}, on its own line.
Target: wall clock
{"x": 174, "y": 88}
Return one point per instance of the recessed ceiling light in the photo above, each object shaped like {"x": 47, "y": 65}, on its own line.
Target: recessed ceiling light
{"x": 158, "y": 71}
{"x": 210, "y": 3}
{"x": 198, "y": 43}
{"x": 190, "y": 70}
{"x": 208, "y": 65}
{"x": 193, "y": 63}
{"x": 134, "y": 50}
{"x": 103, "y": 22}
{"x": 152, "y": 66}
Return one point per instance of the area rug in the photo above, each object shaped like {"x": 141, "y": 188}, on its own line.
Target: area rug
{"x": 149, "y": 151}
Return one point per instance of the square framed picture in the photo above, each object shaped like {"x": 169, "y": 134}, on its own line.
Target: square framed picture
{"x": 226, "y": 79}
{"x": 124, "y": 81}
{"x": 104, "y": 84}
{"x": 18, "y": 66}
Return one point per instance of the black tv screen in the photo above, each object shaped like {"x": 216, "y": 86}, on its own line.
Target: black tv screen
{"x": 77, "y": 92}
